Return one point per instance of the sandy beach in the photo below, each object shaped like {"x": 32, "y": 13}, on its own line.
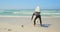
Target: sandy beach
{"x": 24, "y": 24}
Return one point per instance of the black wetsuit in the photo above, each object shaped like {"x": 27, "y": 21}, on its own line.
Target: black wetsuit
{"x": 37, "y": 14}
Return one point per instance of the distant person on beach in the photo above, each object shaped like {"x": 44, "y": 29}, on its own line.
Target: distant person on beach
{"x": 37, "y": 14}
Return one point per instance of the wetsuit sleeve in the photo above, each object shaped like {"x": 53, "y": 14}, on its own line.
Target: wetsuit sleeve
{"x": 32, "y": 16}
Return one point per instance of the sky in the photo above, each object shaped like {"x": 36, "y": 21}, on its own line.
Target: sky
{"x": 29, "y": 4}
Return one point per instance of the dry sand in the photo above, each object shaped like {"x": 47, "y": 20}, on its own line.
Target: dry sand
{"x": 24, "y": 24}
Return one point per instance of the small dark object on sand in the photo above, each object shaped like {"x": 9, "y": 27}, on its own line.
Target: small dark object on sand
{"x": 9, "y": 29}
{"x": 22, "y": 25}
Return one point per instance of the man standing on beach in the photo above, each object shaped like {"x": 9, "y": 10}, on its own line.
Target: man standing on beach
{"x": 37, "y": 14}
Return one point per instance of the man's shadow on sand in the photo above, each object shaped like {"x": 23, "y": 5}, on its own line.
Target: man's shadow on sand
{"x": 44, "y": 25}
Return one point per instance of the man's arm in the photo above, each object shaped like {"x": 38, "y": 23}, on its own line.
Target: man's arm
{"x": 32, "y": 16}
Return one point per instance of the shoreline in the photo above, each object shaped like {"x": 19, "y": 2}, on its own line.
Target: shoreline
{"x": 31, "y": 16}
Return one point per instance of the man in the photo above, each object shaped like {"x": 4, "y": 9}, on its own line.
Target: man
{"x": 37, "y": 14}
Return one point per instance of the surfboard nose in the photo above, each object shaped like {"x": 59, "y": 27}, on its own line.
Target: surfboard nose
{"x": 37, "y": 9}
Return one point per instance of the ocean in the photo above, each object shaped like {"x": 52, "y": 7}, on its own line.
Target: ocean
{"x": 28, "y": 12}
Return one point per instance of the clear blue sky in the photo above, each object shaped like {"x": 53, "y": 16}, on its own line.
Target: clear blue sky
{"x": 29, "y": 4}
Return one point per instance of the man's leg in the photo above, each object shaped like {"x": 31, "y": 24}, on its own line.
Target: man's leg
{"x": 35, "y": 20}
{"x": 40, "y": 20}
